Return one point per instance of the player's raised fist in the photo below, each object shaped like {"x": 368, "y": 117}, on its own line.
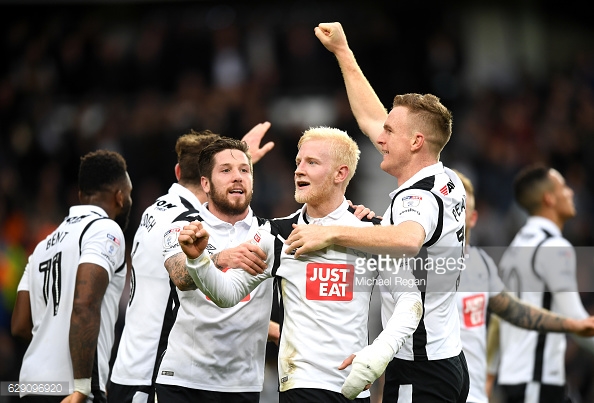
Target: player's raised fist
{"x": 332, "y": 36}
{"x": 193, "y": 239}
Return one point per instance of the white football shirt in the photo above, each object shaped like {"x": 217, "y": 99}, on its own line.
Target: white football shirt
{"x": 479, "y": 281}
{"x": 153, "y": 302}
{"x": 86, "y": 235}
{"x": 538, "y": 265}
{"x": 435, "y": 198}
{"x": 212, "y": 348}
{"x": 325, "y": 297}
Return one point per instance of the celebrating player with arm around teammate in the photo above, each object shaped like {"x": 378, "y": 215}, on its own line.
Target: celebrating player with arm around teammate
{"x": 154, "y": 301}
{"x": 325, "y": 296}
{"x": 424, "y": 222}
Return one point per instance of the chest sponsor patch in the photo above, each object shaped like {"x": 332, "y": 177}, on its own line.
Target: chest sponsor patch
{"x": 473, "y": 308}
{"x": 411, "y": 201}
{"x": 329, "y": 282}
{"x": 170, "y": 238}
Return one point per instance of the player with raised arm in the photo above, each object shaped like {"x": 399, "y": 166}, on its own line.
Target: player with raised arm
{"x": 424, "y": 222}
{"x": 68, "y": 297}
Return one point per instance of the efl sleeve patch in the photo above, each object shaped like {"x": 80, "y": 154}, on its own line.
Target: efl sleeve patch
{"x": 112, "y": 245}
{"x": 170, "y": 238}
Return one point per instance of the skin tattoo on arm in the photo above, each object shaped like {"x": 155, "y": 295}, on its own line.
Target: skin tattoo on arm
{"x": 176, "y": 266}
{"x": 514, "y": 311}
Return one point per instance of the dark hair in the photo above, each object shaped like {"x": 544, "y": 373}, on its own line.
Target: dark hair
{"x": 206, "y": 157}
{"x": 99, "y": 170}
{"x": 529, "y": 185}
{"x": 434, "y": 116}
{"x": 188, "y": 148}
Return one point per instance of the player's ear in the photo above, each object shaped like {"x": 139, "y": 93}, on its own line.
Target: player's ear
{"x": 417, "y": 141}
{"x": 119, "y": 198}
{"x": 177, "y": 172}
{"x": 205, "y": 184}
{"x": 473, "y": 219}
{"x": 342, "y": 172}
{"x": 548, "y": 199}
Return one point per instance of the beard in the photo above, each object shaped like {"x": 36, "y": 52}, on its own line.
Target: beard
{"x": 315, "y": 194}
{"x": 219, "y": 199}
{"x": 123, "y": 218}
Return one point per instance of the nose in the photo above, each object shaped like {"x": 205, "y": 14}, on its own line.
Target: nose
{"x": 381, "y": 139}
{"x": 237, "y": 177}
{"x": 299, "y": 169}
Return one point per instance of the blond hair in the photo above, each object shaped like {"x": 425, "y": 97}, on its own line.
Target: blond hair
{"x": 343, "y": 149}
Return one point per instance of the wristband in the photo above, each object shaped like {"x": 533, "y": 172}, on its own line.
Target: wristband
{"x": 83, "y": 385}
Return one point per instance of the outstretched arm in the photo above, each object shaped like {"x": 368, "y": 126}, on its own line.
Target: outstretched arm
{"x": 404, "y": 239}
{"x": 365, "y": 104}
{"x": 530, "y": 317}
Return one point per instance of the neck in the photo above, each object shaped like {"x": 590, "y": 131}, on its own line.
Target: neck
{"x": 415, "y": 166}
{"x": 319, "y": 210}
{"x": 559, "y": 222}
{"x": 230, "y": 218}
{"x": 99, "y": 202}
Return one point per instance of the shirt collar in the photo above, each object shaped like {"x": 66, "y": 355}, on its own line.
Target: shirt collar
{"x": 333, "y": 216}
{"x": 215, "y": 221}
{"x": 87, "y": 208}
{"x": 184, "y": 192}
{"x": 430, "y": 170}
{"x": 545, "y": 224}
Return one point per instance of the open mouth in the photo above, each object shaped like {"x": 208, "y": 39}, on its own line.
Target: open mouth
{"x": 236, "y": 191}
{"x": 301, "y": 184}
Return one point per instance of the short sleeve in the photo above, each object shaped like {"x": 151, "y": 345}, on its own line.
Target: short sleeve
{"x": 419, "y": 206}
{"x": 103, "y": 244}
{"x": 24, "y": 283}
{"x": 170, "y": 244}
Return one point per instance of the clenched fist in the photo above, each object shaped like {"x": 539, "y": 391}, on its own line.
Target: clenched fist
{"x": 193, "y": 239}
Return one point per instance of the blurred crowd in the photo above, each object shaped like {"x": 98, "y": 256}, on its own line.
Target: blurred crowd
{"x": 133, "y": 77}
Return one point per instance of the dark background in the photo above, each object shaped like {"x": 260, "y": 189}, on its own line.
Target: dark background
{"x": 133, "y": 76}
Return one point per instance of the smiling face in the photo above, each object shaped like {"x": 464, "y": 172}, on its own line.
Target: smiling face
{"x": 314, "y": 175}
{"x": 395, "y": 141}
{"x": 230, "y": 186}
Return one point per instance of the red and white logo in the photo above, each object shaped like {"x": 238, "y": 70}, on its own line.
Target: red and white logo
{"x": 473, "y": 308}
{"x": 329, "y": 282}
{"x": 444, "y": 190}
{"x": 257, "y": 237}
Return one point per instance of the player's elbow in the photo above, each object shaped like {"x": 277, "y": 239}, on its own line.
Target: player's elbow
{"x": 21, "y": 330}
{"x": 223, "y": 303}
{"x": 185, "y": 286}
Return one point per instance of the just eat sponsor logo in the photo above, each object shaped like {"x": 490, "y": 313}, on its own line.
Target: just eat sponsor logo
{"x": 474, "y": 308}
{"x": 329, "y": 282}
